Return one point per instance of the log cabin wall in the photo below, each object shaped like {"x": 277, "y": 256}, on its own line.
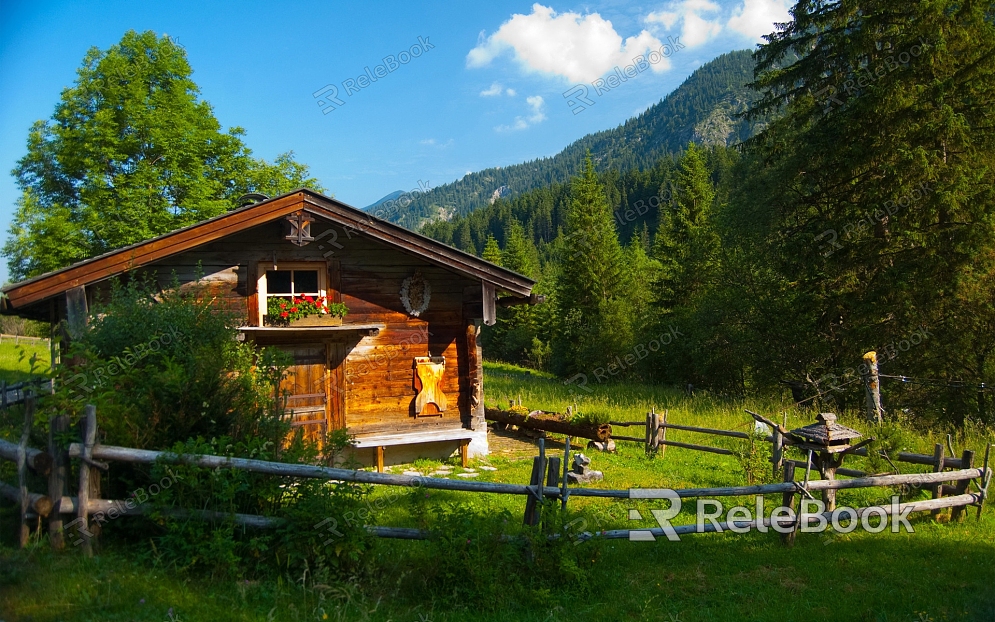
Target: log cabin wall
{"x": 377, "y": 375}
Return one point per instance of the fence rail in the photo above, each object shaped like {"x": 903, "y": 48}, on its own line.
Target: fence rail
{"x": 17, "y": 393}
{"x": 87, "y": 504}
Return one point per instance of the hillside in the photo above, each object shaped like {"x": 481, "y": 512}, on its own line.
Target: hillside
{"x": 702, "y": 109}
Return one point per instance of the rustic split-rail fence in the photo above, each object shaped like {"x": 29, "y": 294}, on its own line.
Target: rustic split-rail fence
{"x": 548, "y": 483}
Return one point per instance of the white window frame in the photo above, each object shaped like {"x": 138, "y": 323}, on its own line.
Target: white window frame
{"x": 261, "y": 291}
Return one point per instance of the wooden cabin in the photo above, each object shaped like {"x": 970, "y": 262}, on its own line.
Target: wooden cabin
{"x": 402, "y": 372}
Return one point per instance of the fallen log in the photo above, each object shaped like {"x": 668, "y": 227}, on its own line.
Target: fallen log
{"x": 551, "y": 422}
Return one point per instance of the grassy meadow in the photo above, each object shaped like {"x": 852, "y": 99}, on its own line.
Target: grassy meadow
{"x": 24, "y": 359}
{"x": 943, "y": 571}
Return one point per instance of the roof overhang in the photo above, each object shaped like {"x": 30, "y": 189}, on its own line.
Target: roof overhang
{"x": 19, "y": 296}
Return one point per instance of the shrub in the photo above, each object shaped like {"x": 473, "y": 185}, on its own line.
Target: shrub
{"x": 166, "y": 367}
{"x": 313, "y": 534}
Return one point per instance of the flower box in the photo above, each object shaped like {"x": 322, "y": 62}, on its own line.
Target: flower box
{"x": 318, "y": 320}
{"x": 310, "y": 320}
{"x": 304, "y": 311}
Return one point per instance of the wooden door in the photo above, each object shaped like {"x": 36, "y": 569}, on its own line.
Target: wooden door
{"x": 305, "y": 388}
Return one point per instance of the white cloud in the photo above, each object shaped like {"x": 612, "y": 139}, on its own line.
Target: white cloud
{"x": 578, "y": 47}
{"x": 537, "y": 115}
{"x": 695, "y": 29}
{"x": 536, "y": 103}
{"x": 756, "y": 18}
{"x": 493, "y": 91}
{"x": 431, "y": 142}
{"x": 665, "y": 18}
{"x": 496, "y": 89}
{"x": 698, "y": 30}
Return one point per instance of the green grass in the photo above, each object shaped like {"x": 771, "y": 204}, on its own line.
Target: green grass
{"x": 16, "y": 359}
{"x": 943, "y": 571}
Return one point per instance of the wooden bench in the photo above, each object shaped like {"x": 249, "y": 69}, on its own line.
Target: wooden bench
{"x": 379, "y": 442}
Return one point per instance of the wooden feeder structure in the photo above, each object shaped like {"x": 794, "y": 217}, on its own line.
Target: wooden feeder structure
{"x": 828, "y": 443}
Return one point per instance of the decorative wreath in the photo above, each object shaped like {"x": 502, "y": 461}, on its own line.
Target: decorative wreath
{"x": 416, "y": 293}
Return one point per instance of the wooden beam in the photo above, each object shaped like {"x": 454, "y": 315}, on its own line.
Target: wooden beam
{"x": 39, "y": 461}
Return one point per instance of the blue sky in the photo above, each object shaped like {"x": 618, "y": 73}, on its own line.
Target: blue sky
{"x": 486, "y": 90}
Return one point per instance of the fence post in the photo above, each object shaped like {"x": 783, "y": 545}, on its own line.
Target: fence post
{"x": 938, "y": 452}
{"x": 83, "y": 494}
{"x": 57, "y": 479}
{"x": 872, "y": 385}
{"x": 966, "y": 462}
{"x": 663, "y": 435}
{"x": 656, "y": 432}
{"x": 565, "y": 491}
{"x": 788, "y": 501}
{"x": 649, "y": 432}
{"x": 22, "y": 468}
{"x": 776, "y": 452}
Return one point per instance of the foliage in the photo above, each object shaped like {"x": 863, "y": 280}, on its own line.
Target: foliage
{"x": 281, "y": 310}
{"x": 304, "y": 541}
{"x": 755, "y": 458}
{"x": 858, "y": 218}
{"x": 594, "y": 322}
{"x": 130, "y": 153}
{"x": 163, "y": 367}
{"x": 484, "y": 568}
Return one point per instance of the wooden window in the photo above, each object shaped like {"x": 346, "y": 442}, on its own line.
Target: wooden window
{"x": 289, "y": 279}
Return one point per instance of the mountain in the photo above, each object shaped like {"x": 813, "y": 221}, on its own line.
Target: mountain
{"x": 389, "y": 197}
{"x": 702, "y": 109}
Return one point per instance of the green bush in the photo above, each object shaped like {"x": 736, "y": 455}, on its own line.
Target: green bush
{"x": 165, "y": 367}
{"x": 314, "y": 534}
{"x": 166, "y": 371}
{"x": 484, "y": 568}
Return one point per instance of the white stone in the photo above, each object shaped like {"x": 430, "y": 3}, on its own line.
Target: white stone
{"x": 488, "y": 468}
{"x": 467, "y": 474}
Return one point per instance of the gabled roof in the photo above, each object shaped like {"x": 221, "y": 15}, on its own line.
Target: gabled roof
{"x": 95, "y": 269}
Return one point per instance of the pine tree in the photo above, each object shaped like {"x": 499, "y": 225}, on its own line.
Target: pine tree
{"x": 593, "y": 312}
{"x": 492, "y": 252}
{"x": 520, "y": 252}
{"x": 686, "y": 242}
{"x": 871, "y": 197}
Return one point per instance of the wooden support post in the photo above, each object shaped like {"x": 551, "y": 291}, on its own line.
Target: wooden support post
{"x": 827, "y": 470}
{"x": 89, "y": 440}
{"x": 872, "y": 384}
{"x": 565, "y": 492}
{"x": 661, "y": 440}
{"x": 22, "y": 468}
{"x": 985, "y": 481}
{"x": 464, "y": 453}
{"x": 777, "y": 451}
{"x": 648, "y": 440}
{"x": 531, "y": 502}
{"x": 379, "y": 451}
{"x": 553, "y": 473}
{"x": 788, "y": 501}
{"x": 966, "y": 462}
{"x": 938, "y": 452}
{"x": 57, "y": 479}
{"x": 655, "y": 434}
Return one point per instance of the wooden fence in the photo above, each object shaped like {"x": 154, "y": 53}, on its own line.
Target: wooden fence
{"x": 93, "y": 458}
{"x": 16, "y": 393}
